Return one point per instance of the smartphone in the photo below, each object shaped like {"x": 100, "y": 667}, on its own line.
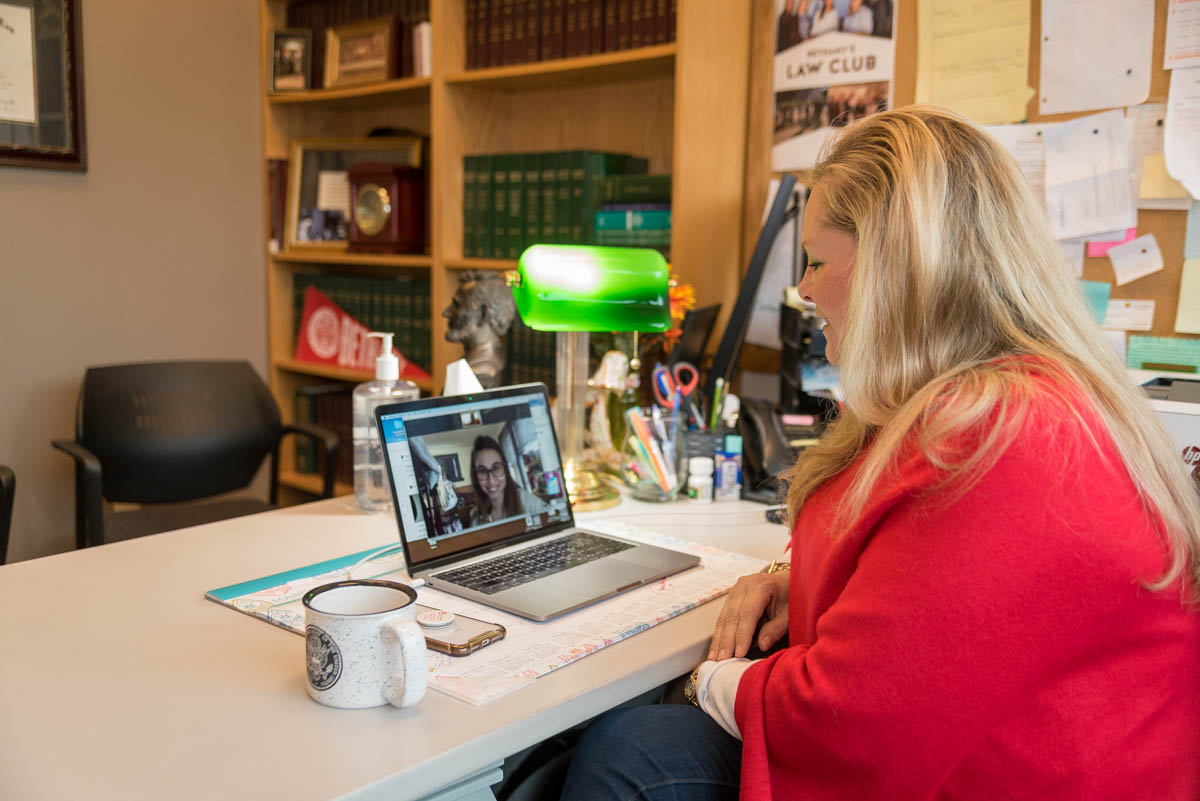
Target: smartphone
{"x": 465, "y": 635}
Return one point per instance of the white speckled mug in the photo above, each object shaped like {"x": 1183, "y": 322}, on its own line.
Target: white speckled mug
{"x": 362, "y": 646}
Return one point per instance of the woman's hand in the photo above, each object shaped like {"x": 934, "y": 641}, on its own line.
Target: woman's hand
{"x": 745, "y": 605}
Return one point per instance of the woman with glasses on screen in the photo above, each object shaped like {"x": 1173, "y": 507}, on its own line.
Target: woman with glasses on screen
{"x": 498, "y": 495}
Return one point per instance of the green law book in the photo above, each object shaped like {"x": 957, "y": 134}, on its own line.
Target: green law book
{"x": 549, "y": 189}
{"x": 562, "y": 197}
{"x": 532, "y": 230}
{"x": 657, "y": 220}
{"x": 597, "y": 167}
{"x": 580, "y": 160}
{"x": 470, "y": 238}
{"x": 483, "y": 207}
{"x": 637, "y": 188}
{"x": 499, "y": 206}
{"x": 515, "y": 227}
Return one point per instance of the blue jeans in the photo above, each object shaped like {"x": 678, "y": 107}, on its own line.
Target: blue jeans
{"x": 666, "y": 752}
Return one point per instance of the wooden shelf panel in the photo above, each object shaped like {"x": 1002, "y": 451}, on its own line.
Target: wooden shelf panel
{"x": 311, "y": 482}
{"x": 413, "y": 88}
{"x": 643, "y": 62}
{"x": 498, "y": 265}
{"x": 339, "y": 373}
{"x": 353, "y": 259}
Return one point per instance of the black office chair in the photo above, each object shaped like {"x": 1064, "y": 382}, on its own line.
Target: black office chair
{"x": 8, "y": 489}
{"x": 161, "y": 433}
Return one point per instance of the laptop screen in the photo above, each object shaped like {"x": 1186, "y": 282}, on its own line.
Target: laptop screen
{"x": 472, "y": 473}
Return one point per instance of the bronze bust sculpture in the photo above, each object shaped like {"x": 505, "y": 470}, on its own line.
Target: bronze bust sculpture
{"x": 479, "y": 315}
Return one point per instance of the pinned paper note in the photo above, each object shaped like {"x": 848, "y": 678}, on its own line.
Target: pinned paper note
{"x": 1187, "y": 315}
{"x": 1129, "y": 315}
{"x": 973, "y": 56}
{"x": 1117, "y": 340}
{"x": 1181, "y": 140}
{"x": 1191, "y": 245}
{"x": 1099, "y": 249}
{"x": 1087, "y": 175}
{"x": 1136, "y": 259}
{"x": 1096, "y": 293}
{"x": 1157, "y": 189}
{"x": 1095, "y": 54}
{"x": 1028, "y": 147}
{"x": 1183, "y": 35}
{"x": 1073, "y": 250}
{"x": 1162, "y": 353}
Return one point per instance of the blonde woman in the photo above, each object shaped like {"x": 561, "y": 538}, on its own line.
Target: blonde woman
{"x": 995, "y": 549}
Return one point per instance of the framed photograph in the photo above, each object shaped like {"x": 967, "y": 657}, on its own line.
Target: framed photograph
{"x": 41, "y": 85}
{"x": 360, "y": 52}
{"x": 318, "y": 197}
{"x": 291, "y": 60}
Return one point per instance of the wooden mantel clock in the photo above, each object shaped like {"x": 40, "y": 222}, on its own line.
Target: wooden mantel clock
{"x": 387, "y": 209}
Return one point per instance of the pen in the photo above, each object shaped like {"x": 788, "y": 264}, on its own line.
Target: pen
{"x": 718, "y": 391}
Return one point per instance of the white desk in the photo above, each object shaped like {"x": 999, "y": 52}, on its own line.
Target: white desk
{"x": 118, "y": 680}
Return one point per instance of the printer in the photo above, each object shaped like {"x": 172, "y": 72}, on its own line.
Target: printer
{"x": 1177, "y": 401}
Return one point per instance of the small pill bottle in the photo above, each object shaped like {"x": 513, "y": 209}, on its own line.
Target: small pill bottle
{"x": 700, "y": 479}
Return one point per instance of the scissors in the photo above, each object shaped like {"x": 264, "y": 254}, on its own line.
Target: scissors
{"x": 680, "y": 379}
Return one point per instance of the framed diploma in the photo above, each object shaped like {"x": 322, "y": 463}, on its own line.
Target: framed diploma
{"x": 41, "y": 85}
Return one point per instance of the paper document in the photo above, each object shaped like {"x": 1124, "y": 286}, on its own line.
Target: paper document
{"x": 1136, "y": 259}
{"x": 1191, "y": 245}
{"x": 1129, "y": 315}
{"x": 1095, "y": 54}
{"x": 1027, "y": 145}
{"x": 1096, "y": 293}
{"x": 529, "y": 649}
{"x": 1162, "y": 353}
{"x": 18, "y": 87}
{"x": 1187, "y": 315}
{"x": 1073, "y": 251}
{"x": 1117, "y": 340}
{"x": 1183, "y": 35}
{"x": 973, "y": 56}
{"x": 1181, "y": 140}
{"x": 1087, "y": 175}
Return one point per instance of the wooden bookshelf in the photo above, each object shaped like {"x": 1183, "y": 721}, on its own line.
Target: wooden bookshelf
{"x": 682, "y": 105}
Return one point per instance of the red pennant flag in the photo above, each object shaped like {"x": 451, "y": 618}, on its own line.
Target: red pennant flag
{"x": 330, "y": 336}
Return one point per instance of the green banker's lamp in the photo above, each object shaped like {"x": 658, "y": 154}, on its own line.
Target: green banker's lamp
{"x": 574, "y": 289}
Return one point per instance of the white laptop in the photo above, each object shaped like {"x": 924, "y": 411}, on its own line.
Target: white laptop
{"x": 477, "y": 483}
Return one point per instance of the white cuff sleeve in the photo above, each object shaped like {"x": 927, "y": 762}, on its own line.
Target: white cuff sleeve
{"x": 716, "y": 690}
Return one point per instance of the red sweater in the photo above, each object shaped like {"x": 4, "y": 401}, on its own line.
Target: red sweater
{"x": 998, "y": 646}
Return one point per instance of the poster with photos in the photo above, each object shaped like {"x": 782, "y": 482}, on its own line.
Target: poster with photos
{"x": 833, "y": 65}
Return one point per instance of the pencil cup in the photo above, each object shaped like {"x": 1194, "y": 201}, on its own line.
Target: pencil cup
{"x": 363, "y": 647}
{"x": 657, "y": 454}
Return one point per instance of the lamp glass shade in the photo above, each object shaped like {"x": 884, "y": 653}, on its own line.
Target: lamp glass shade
{"x": 585, "y": 288}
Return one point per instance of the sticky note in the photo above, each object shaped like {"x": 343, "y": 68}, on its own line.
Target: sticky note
{"x": 1129, "y": 315}
{"x": 1136, "y": 259}
{"x": 1098, "y": 249}
{"x": 1096, "y": 293}
{"x": 1187, "y": 315}
{"x": 1169, "y": 352}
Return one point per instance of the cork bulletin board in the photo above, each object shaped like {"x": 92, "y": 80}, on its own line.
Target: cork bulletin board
{"x": 1168, "y": 227}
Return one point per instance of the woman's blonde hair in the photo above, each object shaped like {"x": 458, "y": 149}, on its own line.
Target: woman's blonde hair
{"x": 957, "y": 268}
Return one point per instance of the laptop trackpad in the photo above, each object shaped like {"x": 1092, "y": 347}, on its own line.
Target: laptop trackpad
{"x": 600, "y": 577}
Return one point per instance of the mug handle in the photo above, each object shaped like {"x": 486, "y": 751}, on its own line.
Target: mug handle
{"x": 408, "y": 684}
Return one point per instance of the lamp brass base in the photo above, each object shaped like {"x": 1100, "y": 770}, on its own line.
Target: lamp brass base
{"x": 586, "y": 490}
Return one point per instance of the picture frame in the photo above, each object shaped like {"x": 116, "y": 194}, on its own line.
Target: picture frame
{"x": 360, "y": 52}
{"x": 41, "y": 85}
{"x": 318, "y": 195}
{"x": 290, "y": 67}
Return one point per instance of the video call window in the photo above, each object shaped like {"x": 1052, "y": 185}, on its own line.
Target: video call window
{"x": 480, "y": 468}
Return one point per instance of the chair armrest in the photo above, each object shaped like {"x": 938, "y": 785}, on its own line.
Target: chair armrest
{"x": 328, "y": 441}
{"x": 89, "y": 493}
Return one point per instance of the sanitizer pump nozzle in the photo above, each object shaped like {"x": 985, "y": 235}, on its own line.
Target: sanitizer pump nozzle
{"x": 387, "y": 366}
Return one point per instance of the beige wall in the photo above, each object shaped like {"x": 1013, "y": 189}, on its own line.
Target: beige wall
{"x": 156, "y": 252}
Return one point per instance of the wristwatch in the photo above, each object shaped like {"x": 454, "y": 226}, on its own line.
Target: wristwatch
{"x": 689, "y": 688}
{"x": 777, "y": 566}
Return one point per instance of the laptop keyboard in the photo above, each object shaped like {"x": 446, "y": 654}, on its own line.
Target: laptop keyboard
{"x": 511, "y": 570}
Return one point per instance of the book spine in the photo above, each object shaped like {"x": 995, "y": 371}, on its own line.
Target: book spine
{"x": 516, "y": 206}
{"x": 633, "y": 220}
{"x": 533, "y": 200}
{"x": 470, "y": 242}
{"x": 662, "y": 12}
{"x": 483, "y": 207}
{"x": 506, "y": 32}
{"x": 472, "y": 21}
{"x": 571, "y": 28}
{"x": 562, "y": 198}
{"x": 636, "y": 29}
{"x": 610, "y": 25}
{"x": 520, "y": 16}
{"x": 499, "y": 206}
{"x": 623, "y": 9}
{"x": 495, "y": 33}
{"x": 595, "y": 26}
{"x": 637, "y": 188}
{"x": 533, "y": 30}
{"x": 579, "y": 169}
{"x": 548, "y": 188}
{"x": 671, "y": 21}
{"x": 557, "y": 20}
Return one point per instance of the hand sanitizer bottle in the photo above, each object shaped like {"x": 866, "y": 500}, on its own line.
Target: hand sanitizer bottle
{"x": 371, "y": 490}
